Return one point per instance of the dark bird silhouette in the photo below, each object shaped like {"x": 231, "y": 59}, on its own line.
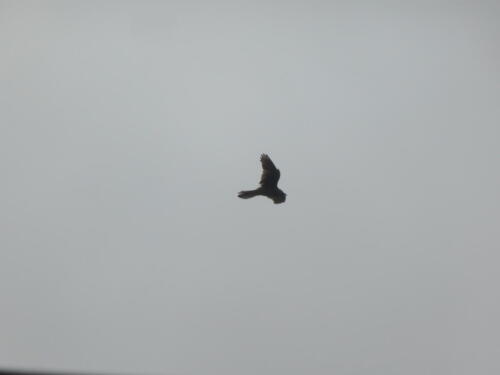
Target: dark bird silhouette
{"x": 268, "y": 183}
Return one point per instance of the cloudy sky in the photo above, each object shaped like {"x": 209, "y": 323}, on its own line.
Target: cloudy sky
{"x": 127, "y": 129}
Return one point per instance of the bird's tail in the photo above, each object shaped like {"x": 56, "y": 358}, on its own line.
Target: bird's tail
{"x": 245, "y": 194}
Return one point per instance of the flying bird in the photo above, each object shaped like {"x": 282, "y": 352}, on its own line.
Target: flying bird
{"x": 268, "y": 183}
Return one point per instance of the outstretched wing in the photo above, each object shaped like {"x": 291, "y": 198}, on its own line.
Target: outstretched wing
{"x": 270, "y": 174}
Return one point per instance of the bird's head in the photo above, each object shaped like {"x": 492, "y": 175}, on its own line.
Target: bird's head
{"x": 280, "y": 197}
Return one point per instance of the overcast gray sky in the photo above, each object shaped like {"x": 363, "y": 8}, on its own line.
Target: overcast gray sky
{"x": 127, "y": 129}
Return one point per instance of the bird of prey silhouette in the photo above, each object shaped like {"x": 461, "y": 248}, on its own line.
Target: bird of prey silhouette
{"x": 268, "y": 183}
